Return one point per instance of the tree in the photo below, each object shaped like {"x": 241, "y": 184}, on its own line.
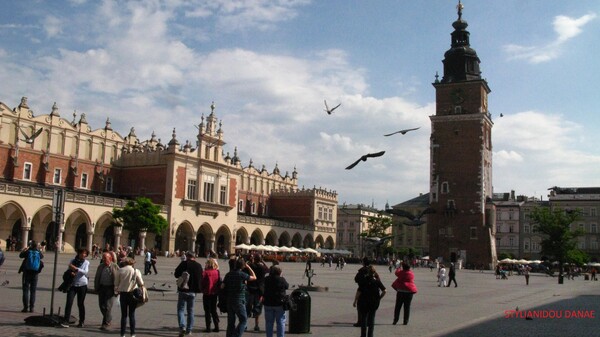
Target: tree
{"x": 560, "y": 241}
{"x": 378, "y": 228}
{"x": 140, "y": 215}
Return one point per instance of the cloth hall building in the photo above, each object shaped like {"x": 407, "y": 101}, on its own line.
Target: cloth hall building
{"x": 209, "y": 199}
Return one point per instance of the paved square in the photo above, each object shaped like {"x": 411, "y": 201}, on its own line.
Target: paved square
{"x": 476, "y": 308}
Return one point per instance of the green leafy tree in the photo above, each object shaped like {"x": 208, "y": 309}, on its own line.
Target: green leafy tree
{"x": 378, "y": 227}
{"x": 140, "y": 215}
{"x": 560, "y": 241}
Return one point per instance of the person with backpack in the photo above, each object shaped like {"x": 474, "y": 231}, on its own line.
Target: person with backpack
{"x": 234, "y": 284}
{"x": 367, "y": 299}
{"x": 31, "y": 267}
{"x": 189, "y": 283}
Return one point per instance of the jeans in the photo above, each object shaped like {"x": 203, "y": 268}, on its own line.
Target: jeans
{"x": 186, "y": 299}
{"x": 402, "y": 298}
{"x": 105, "y": 302}
{"x": 80, "y": 292}
{"x": 209, "y": 303}
{"x": 147, "y": 266}
{"x": 30, "y": 280}
{"x": 236, "y": 309}
{"x": 272, "y": 315}
{"x": 128, "y": 306}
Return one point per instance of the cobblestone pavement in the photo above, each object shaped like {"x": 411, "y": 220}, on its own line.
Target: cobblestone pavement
{"x": 477, "y": 307}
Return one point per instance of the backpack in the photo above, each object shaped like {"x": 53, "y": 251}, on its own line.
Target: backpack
{"x": 182, "y": 281}
{"x": 2, "y": 258}
{"x": 32, "y": 263}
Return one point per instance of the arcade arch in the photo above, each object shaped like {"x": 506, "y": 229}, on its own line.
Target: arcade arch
{"x": 184, "y": 232}
{"x": 257, "y": 238}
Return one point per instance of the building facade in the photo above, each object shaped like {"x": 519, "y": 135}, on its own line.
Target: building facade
{"x": 587, "y": 201}
{"x": 352, "y": 221}
{"x": 209, "y": 199}
{"x": 461, "y": 159}
{"x": 508, "y": 223}
{"x": 412, "y": 237}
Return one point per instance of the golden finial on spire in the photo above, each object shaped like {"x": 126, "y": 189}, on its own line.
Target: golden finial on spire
{"x": 460, "y": 7}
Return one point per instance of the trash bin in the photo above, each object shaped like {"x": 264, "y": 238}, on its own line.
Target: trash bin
{"x": 560, "y": 279}
{"x": 300, "y": 316}
{"x": 586, "y": 277}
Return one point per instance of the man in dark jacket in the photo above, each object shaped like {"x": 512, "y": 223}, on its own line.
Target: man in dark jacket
{"x": 192, "y": 271}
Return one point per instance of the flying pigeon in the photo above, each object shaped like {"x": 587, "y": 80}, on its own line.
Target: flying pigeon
{"x": 364, "y": 158}
{"x": 329, "y": 111}
{"x": 377, "y": 241}
{"x": 29, "y": 140}
{"x": 402, "y": 131}
{"x": 414, "y": 220}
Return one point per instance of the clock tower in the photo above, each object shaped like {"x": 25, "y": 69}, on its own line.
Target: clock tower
{"x": 462, "y": 226}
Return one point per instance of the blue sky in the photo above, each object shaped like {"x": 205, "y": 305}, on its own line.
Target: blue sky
{"x": 268, "y": 65}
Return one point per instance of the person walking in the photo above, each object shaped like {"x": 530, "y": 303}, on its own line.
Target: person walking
{"x": 442, "y": 276}
{"x": 187, "y": 291}
{"x": 234, "y": 284}
{"x": 147, "y": 261}
{"x": 104, "y": 284}
{"x": 79, "y": 267}
{"x": 275, "y": 287}
{"x": 154, "y": 259}
{"x": 126, "y": 281}
{"x": 211, "y": 279}
{"x": 30, "y": 267}
{"x": 526, "y": 270}
{"x": 405, "y": 289}
{"x": 367, "y": 299}
{"x": 255, "y": 289}
{"x": 452, "y": 275}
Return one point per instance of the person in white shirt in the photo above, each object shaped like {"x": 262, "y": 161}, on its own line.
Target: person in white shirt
{"x": 442, "y": 276}
{"x": 126, "y": 281}
{"x": 79, "y": 268}
{"x": 147, "y": 261}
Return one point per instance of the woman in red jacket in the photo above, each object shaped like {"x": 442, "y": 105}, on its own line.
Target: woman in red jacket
{"x": 405, "y": 289}
{"x": 210, "y": 287}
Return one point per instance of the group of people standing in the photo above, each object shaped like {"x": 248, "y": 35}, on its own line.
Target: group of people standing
{"x": 246, "y": 289}
{"x": 112, "y": 279}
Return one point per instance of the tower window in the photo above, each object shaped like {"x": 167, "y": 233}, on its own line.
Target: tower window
{"x": 241, "y": 206}
{"x": 457, "y": 110}
{"x": 445, "y": 187}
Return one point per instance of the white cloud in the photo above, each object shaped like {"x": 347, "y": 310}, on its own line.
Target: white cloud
{"x": 568, "y": 28}
{"x": 52, "y": 26}
{"x": 565, "y": 28}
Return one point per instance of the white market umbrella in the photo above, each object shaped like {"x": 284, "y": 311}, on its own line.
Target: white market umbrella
{"x": 309, "y": 250}
{"x": 285, "y": 249}
{"x": 242, "y": 246}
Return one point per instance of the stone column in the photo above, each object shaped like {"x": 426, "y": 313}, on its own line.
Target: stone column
{"x": 118, "y": 231}
{"x": 211, "y": 243}
{"x": 90, "y": 240}
{"x": 142, "y": 240}
{"x": 25, "y": 236}
{"x": 193, "y": 241}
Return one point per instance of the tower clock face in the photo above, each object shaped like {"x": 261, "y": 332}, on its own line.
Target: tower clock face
{"x": 458, "y": 96}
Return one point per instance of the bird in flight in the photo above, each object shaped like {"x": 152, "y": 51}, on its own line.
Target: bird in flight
{"x": 364, "y": 158}
{"x": 414, "y": 220}
{"x": 29, "y": 140}
{"x": 402, "y": 131}
{"x": 329, "y": 111}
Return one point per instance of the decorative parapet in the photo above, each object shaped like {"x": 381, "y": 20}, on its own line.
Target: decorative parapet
{"x": 283, "y": 224}
{"x": 312, "y": 192}
{"x": 70, "y": 196}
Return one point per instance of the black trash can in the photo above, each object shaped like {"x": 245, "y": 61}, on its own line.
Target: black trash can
{"x": 300, "y": 316}
{"x": 560, "y": 279}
